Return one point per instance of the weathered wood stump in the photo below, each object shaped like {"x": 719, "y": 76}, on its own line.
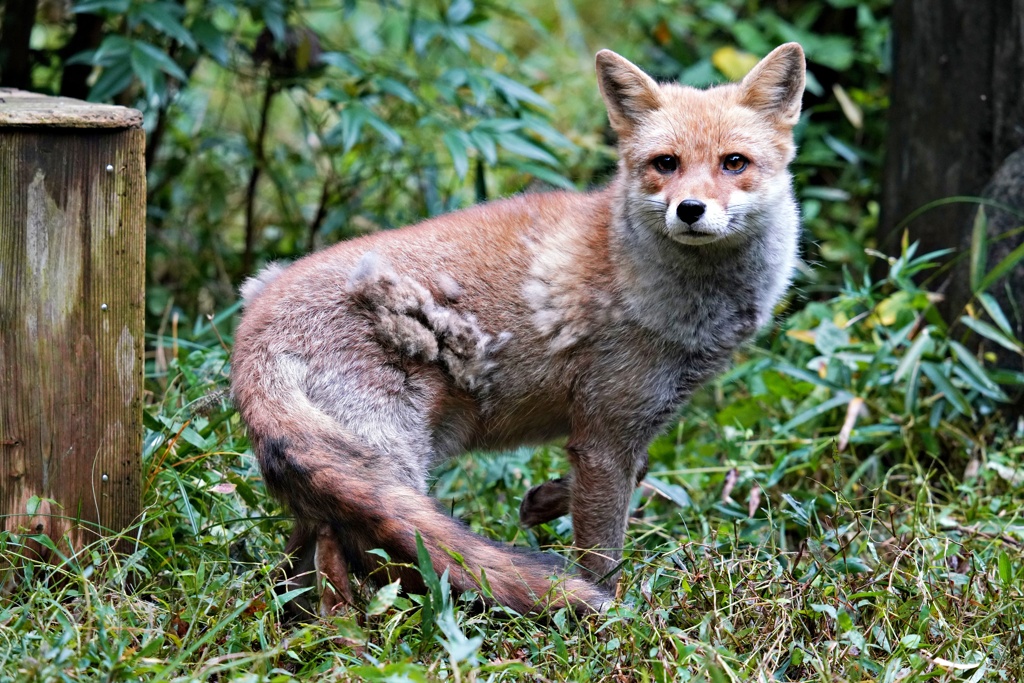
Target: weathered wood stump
{"x": 72, "y": 264}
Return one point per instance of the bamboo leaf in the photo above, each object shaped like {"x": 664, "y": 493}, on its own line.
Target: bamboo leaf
{"x": 483, "y": 140}
{"x": 525, "y": 148}
{"x": 543, "y": 173}
{"x": 164, "y": 17}
{"x": 677, "y": 494}
{"x": 976, "y": 370}
{"x": 1002, "y": 268}
{"x": 814, "y": 412}
{"x": 990, "y": 332}
{"x": 383, "y": 599}
{"x": 805, "y": 375}
{"x": 921, "y": 344}
{"x": 942, "y": 383}
{"x": 455, "y": 141}
{"x": 975, "y": 384}
{"x": 161, "y": 59}
{"x": 910, "y": 393}
{"x": 391, "y": 137}
{"x": 995, "y": 312}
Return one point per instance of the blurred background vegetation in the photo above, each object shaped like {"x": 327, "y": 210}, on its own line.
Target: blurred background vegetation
{"x": 278, "y": 126}
{"x": 875, "y": 414}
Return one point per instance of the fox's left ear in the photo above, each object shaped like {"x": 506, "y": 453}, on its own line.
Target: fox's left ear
{"x": 775, "y": 86}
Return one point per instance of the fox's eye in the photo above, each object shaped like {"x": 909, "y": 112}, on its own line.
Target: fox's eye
{"x": 665, "y": 163}
{"x": 735, "y": 163}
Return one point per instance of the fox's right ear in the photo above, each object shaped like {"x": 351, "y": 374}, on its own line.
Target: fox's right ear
{"x": 775, "y": 86}
{"x": 628, "y": 92}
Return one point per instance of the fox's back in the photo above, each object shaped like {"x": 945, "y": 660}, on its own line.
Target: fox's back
{"x": 481, "y": 270}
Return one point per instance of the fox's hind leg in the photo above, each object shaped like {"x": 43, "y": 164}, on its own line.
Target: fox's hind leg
{"x": 297, "y": 570}
{"x": 331, "y": 572}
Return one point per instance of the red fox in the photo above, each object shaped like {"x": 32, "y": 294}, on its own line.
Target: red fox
{"x": 588, "y": 316}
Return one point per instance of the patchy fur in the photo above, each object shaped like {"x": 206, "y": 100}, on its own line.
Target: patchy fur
{"x": 407, "y": 319}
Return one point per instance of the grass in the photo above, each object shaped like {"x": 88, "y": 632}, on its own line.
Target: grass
{"x": 826, "y": 511}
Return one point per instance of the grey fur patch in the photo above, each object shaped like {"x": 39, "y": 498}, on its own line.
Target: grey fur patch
{"x": 410, "y": 321}
{"x": 563, "y": 312}
{"x": 255, "y": 285}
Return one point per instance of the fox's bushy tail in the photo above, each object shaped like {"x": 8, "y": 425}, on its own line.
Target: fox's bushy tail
{"x": 327, "y": 481}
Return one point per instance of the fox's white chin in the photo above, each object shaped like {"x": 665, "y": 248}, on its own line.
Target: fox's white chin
{"x": 694, "y": 238}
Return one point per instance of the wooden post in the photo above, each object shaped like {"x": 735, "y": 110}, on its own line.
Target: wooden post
{"x": 72, "y": 264}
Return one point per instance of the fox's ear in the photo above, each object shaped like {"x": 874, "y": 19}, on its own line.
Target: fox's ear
{"x": 628, "y": 92}
{"x": 775, "y": 86}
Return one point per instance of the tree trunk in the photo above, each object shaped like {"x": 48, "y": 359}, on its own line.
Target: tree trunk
{"x": 88, "y": 36}
{"x": 957, "y": 110}
{"x": 15, "y": 31}
{"x": 956, "y": 114}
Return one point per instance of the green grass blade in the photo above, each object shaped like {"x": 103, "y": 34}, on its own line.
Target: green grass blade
{"x": 979, "y": 249}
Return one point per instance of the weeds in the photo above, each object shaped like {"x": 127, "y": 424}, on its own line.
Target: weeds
{"x": 842, "y": 505}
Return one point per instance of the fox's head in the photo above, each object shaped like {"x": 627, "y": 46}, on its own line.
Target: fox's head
{"x": 706, "y": 166}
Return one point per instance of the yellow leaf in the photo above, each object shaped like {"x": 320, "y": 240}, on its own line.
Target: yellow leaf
{"x": 733, "y": 63}
{"x": 850, "y": 109}
{"x": 806, "y": 336}
{"x": 887, "y": 311}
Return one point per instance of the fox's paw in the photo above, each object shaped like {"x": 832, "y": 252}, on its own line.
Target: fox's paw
{"x": 544, "y": 503}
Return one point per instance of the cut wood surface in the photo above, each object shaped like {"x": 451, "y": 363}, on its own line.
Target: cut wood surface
{"x": 72, "y": 241}
{"x": 21, "y": 108}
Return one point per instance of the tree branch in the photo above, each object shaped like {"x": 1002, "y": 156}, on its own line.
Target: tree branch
{"x": 259, "y": 159}
{"x": 88, "y": 35}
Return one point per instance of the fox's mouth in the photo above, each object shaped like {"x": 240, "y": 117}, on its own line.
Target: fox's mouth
{"x": 693, "y": 236}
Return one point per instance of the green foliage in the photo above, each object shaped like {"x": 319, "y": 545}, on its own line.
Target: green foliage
{"x": 299, "y": 125}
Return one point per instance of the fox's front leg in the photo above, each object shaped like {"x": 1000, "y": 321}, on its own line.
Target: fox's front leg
{"x": 552, "y": 499}
{"x": 602, "y": 484}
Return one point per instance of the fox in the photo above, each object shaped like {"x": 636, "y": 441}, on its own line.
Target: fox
{"x": 585, "y": 316}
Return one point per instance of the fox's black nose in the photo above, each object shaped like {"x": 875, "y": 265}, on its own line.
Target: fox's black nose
{"x": 690, "y": 211}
